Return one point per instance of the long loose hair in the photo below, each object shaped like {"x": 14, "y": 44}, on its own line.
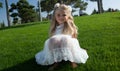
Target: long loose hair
{"x": 69, "y": 26}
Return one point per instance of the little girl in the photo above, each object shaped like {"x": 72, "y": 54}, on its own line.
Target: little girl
{"x": 63, "y": 43}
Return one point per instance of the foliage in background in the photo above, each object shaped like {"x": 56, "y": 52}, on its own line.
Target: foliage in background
{"x": 109, "y": 10}
{"x": 25, "y": 12}
{"x": 82, "y": 5}
{"x": 100, "y": 5}
{"x": 2, "y": 25}
{"x": 48, "y": 5}
{"x": 94, "y": 12}
{"x": 0, "y": 5}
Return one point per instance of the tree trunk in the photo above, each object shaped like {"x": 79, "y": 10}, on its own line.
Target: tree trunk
{"x": 100, "y": 7}
{"x": 80, "y": 12}
{"x": 7, "y": 12}
{"x": 39, "y": 5}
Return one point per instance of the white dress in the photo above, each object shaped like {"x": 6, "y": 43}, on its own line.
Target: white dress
{"x": 61, "y": 47}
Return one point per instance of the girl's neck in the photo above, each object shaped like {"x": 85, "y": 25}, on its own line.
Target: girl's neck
{"x": 61, "y": 24}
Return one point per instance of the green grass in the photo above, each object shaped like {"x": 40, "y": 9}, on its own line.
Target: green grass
{"x": 98, "y": 34}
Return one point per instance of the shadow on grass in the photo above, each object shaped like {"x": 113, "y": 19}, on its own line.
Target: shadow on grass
{"x": 24, "y": 25}
{"x": 29, "y": 65}
{"x": 117, "y": 18}
{"x": 17, "y": 26}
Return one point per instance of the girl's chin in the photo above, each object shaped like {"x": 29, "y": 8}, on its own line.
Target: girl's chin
{"x": 60, "y": 23}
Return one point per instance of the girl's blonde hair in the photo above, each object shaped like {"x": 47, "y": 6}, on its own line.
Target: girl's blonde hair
{"x": 69, "y": 26}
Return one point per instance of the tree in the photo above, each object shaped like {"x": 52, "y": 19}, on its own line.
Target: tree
{"x": 68, "y": 2}
{"x": 82, "y": 5}
{"x": 2, "y": 25}
{"x": 0, "y": 5}
{"x": 109, "y": 10}
{"x": 25, "y": 12}
{"x": 94, "y": 12}
{"x": 48, "y": 5}
{"x": 100, "y": 5}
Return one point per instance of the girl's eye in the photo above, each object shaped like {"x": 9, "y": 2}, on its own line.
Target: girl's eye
{"x": 58, "y": 15}
{"x": 64, "y": 14}
{"x": 61, "y": 15}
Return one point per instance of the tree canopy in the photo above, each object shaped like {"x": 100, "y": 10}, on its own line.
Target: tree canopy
{"x": 0, "y": 5}
{"x": 81, "y": 4}
{"x": 48, "y": 5}
{"x": 25, "y": 12}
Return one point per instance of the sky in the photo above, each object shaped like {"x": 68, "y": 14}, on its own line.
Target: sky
{"x": 115, "y": 4}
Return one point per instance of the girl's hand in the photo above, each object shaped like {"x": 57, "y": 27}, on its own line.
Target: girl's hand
{"x": 74, "y": 36}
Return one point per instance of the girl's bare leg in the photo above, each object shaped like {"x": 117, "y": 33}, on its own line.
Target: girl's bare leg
{"x": 73, "y": 64}
{"x": 53, "y": 67}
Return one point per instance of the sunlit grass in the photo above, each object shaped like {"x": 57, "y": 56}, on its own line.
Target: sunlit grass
{"x": 98, "y": 34}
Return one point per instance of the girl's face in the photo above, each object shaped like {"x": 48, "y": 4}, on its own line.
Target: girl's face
{"x": 61, "y": 16}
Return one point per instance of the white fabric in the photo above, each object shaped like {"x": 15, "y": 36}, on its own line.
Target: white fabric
{"x": 61, "y": 47}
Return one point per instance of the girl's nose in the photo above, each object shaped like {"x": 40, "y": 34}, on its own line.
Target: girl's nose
{"x": 62, "y": 16}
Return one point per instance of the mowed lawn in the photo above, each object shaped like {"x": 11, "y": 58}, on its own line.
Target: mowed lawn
{"x": 98, "y": 34}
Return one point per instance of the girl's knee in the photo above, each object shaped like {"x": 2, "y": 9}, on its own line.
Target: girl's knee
{"x": 54, "y": 43}
{"x": 64, "y": 39}
{"x": 54, "y": 40}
